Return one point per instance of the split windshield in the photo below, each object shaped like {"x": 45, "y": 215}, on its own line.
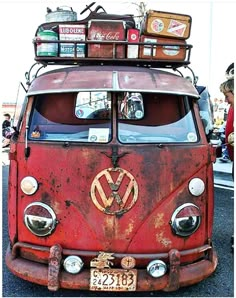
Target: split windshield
{"x": 92, "y": 116}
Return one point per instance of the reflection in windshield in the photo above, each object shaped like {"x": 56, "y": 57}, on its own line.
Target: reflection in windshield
{"x": 131, "y": 106}
{"x": 93, "y": 105}
{"x": 166, "y": 119}
{"x": 97, "y": 105}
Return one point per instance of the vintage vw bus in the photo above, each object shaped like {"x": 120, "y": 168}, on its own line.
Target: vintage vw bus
{"x": 111, "y": 182}
{"x": 111, "y": 177}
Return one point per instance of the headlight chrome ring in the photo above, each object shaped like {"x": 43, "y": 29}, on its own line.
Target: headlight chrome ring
{"x": 40, "y": 219}
{"x": 185, "y": 219}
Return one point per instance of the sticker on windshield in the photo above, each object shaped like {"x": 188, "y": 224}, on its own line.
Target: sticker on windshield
{"x": 79, "y": 113}
{"x": 99, "y": 135}
{"x": 192, "y": 137}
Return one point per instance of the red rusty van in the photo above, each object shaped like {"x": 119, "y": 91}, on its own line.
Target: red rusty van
{"x": 111, "y": 180}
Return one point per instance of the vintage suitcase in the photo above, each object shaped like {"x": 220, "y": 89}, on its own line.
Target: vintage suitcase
{"x": 166, "y": 24}
{"x": 175, "y": 51}
{"x": 107, "y": 30}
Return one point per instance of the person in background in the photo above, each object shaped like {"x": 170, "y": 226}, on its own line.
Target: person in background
{"x": 227, "y": 88}
{"x": 215, "y": 105}
{"x": 7, "y": 130}
{"x": 7, "y": 121}
{"x": 225, "y": 154}
{"x": 221, "y": 108}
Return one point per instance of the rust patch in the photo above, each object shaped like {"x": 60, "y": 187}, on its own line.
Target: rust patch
{"x": 54, "y": 267}
{"x": 46, "y": 198}
{"x": 129, "y": 229}
{"x": 174, "y": 270}
{"x": 68, "y": 203}
{"x": 161, "y": 239}
{"x": 126, "y": 233}
{"x": 159, "y": 222}
{"x": 109, "y": 227}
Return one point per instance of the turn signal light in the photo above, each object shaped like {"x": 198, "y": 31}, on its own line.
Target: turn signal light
{"x": 156, "y": 268}
{"x": 73, "y": 264}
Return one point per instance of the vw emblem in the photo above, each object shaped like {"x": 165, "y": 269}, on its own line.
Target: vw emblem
{"x": 114, "y": 191}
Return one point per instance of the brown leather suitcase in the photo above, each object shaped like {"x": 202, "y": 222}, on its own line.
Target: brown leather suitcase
{"x": 175, "y": 51}
{"x": 166, "y": 24}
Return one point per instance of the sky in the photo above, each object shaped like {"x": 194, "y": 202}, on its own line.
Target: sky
{"x": 212, "y": 34}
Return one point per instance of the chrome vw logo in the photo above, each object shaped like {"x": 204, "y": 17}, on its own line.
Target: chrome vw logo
{"x": 114, "y": 191}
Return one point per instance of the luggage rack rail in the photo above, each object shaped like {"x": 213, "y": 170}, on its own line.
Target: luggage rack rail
{"x": 150, "y": 61}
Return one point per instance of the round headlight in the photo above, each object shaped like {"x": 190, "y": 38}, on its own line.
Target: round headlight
{"x": 196, "y": 187}
{"x": 73, "y": 264}
{"x": 29, "y": 185}
{"x": 156, "y": 268}
{"x": 40, "y": 219}
{"x": 186, "y": 219}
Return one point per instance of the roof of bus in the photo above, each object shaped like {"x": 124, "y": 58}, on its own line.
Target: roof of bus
{"x": 111, "y": 78}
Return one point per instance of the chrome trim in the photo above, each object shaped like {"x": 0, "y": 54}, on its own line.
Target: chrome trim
{"x": 173, "y": 217}
{"x": 46, "y": 223}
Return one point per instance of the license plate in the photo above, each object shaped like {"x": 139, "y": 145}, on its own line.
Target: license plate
{"x": 113, "y": 279}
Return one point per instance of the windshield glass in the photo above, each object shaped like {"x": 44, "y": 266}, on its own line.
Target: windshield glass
{"x": 88, "y": 117}
{"x": 71, "y": 117}
{"x": 166, "y": 119}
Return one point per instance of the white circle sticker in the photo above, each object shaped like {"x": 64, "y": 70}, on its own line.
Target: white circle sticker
{"x": 192, "y": 137}
{"x": 157, "y": 25}
{"x": 133, "y": 36}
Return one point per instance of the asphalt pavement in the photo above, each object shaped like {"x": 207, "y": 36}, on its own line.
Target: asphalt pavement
{"x": 223, "y": 173}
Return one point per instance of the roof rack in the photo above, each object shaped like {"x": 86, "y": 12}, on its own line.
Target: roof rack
{"x": 150, "y": 60}
{"x": 108, "y": 39}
